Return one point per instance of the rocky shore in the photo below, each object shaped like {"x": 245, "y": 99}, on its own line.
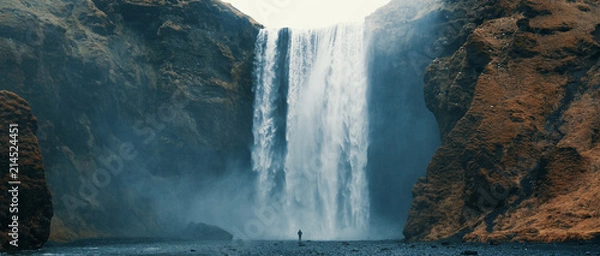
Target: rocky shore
{"x": 291, "y": 248}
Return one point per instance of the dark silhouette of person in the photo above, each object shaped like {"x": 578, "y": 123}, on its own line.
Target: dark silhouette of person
{"x": 299, "y": 235}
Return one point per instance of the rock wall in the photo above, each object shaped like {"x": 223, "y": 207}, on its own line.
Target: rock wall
{"x": 517, "y": 104}
{"x": 25, "y": 203}
{"x": 403, "y": 132}
{"x": 133, "y": 97}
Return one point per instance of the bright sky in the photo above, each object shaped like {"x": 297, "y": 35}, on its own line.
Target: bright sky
{"x": 306, "y": 13}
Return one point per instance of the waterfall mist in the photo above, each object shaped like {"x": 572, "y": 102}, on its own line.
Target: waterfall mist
{"x": 311, "y": 131}
{"x": 341, "y": 129}
{"x": 403, "y": 132}
{"x": 341, "y": 133}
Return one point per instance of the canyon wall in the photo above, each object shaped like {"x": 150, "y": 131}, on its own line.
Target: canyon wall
{"x": 133, "y": 98}
{"x": 403, "y": 133}
{"x": 516, "y": 96}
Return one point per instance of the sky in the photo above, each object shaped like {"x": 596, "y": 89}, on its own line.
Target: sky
{"x": 306, "y": 13}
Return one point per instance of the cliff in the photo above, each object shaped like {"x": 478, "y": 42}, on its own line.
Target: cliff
{"x": 516, "y": 96}
{"x": 26, "y": 202}
{"x": 403, "y": 132}
{"x": 133, "y": 98}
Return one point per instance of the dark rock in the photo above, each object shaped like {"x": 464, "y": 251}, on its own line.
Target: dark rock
{"x": 596, "y": 33}
{"x": 32, "y": 203}
{"x": 469, "y": 252}
{"x": 494, "y": 242}
{"x": 523, "y": 25}
{"x": 402, "y": 46}
{"x": 532, "y": 9}
{"x": 167, "y": 82}
{"x": 204, "y": 232}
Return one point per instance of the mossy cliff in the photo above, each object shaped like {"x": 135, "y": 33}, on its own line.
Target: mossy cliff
{"x": 514, "y": 87}
{"x": 130, "y": 96}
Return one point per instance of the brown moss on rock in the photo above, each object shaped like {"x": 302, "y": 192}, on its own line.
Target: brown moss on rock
{"x": 520, "y": 154}
{"x": 34, "y": 200}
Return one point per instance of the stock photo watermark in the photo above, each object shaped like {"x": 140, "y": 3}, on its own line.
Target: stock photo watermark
{"x": 13, "y": 183}
{"x": 265, "y": 216}
{"x": 112, "y": 163}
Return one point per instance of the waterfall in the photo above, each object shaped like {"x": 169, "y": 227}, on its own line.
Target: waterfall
{"x": 311, "y": 131}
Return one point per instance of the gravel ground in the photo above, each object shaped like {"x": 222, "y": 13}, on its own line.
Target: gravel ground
{"x": 399, "y": 248}
{"x": 275, "y": 248}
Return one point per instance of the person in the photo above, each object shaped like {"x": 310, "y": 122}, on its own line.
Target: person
{"x": 300, "y": 236}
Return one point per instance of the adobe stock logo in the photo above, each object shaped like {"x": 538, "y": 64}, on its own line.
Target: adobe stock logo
{"x": 112, "y": 163}
{"x": 266, "y": 216}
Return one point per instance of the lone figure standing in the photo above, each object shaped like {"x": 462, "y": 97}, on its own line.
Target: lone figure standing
{"x": 299, "y": 235}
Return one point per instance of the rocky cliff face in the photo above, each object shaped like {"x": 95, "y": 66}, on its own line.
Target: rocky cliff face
{"x": 133, "y": 98}
{"x": 517, "y": 102}
{"x": 25, "y": 200}
{"x": 403, "y": 132}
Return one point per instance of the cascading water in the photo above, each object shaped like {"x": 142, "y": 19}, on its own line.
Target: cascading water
{"x": 311, "y": 131}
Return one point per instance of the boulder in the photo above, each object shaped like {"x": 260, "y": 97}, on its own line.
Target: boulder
{"x": 202, "y": 231}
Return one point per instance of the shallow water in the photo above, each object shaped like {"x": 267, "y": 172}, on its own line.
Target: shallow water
{"x": 387, "y": 247}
